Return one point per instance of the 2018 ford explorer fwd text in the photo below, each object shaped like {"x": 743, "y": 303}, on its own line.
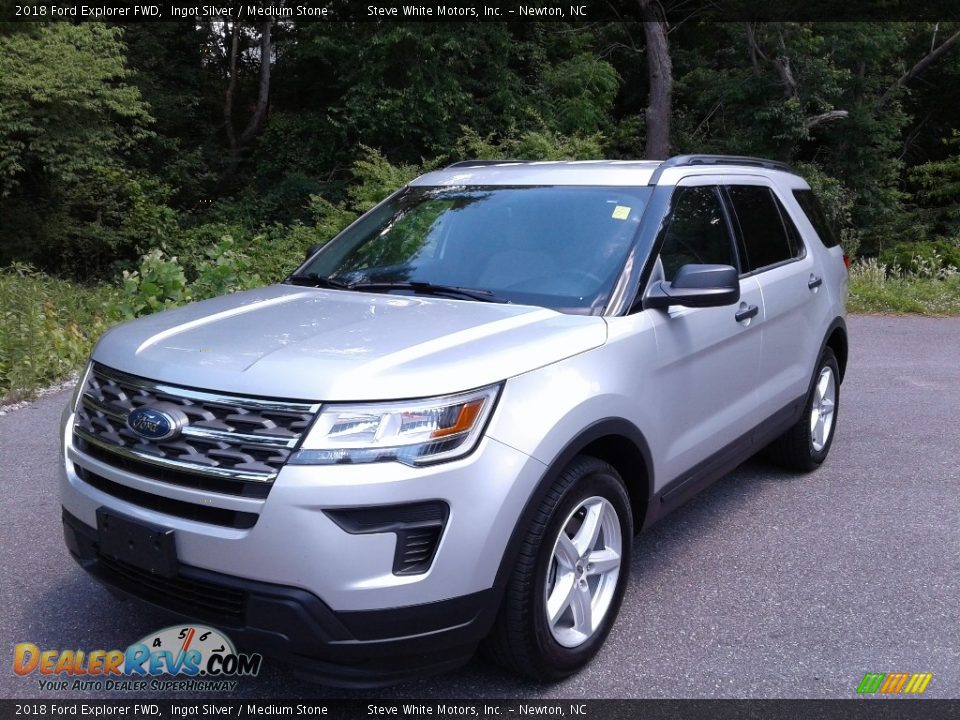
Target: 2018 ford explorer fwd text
{"x": 446, "y": 427}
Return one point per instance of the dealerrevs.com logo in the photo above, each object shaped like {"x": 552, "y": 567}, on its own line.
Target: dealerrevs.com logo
{"x": 205, "y": 656}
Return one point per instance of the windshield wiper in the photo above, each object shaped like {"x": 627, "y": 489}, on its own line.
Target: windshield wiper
{"x": 314, "y": 280}
{"x": 427, "y": 288}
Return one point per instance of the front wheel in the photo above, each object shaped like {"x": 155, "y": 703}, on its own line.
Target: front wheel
{"x": 568, "y": 583}
{"x": 805, "y": 445}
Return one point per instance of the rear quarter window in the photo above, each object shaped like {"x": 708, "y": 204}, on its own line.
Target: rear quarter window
{"x": 814, "y": 211}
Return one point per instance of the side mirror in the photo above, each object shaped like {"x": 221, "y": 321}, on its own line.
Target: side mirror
{"x": 696, "y": 286}
{"x": 311, "y": 251}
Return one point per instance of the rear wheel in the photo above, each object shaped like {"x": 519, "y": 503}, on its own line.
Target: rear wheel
{"x": 568, "y": 583}
{"x": 805, "y": 446}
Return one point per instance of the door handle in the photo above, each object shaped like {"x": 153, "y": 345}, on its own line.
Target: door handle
{"x": 815, "y": 282}
{"x": 747, "y": 313}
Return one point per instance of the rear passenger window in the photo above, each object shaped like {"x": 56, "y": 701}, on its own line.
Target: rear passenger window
{"x": 814, "y": 212}
{"x": 697, "y": 232}
{"x": 768, "y": 237}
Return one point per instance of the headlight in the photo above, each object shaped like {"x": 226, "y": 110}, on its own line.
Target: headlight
{"x": 413, "y": 432}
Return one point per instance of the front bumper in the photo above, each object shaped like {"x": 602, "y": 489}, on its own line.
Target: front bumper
{"x": 359, "y": 649}
{"x": 295, "y": 543}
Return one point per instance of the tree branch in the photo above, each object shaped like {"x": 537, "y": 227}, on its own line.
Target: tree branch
{"x": 925, "y": 62}
{"x": 813, "y": 121}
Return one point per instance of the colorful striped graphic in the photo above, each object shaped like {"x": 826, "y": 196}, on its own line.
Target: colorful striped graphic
{"x": 894, "y": 683}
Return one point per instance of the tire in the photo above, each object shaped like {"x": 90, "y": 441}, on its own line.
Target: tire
{"x": 548, "y": 569}
{"x": 805, "y": 445}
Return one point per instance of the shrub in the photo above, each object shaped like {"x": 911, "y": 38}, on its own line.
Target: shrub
{"x": 874, "y": 288}
{"x": 47, "y": 328}
{"x": 926, "y": 259}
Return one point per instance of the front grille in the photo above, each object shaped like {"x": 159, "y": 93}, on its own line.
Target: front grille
{"x": 226, "y": 486}
{"x": 202, "y": 600}
{"x": 224, "y": 436}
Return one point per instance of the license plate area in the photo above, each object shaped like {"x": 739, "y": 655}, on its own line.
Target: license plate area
{"x": 148, "y": 547}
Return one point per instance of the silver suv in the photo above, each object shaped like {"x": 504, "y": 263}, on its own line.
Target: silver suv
{"x": 446, "y": 427}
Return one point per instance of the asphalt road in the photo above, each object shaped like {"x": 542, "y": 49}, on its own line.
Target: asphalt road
{"x": 767, "y": 585}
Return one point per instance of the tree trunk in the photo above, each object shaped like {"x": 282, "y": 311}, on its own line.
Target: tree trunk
{"x": 231, "y": 86}
{"x": 239, "y": 143}
{"x": 263, "y": 91}
{"x": 660, "y": 73}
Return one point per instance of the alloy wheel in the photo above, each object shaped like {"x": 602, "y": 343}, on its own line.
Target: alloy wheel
{"x": 583, "y": 572}
{"x": 821, "y": 413}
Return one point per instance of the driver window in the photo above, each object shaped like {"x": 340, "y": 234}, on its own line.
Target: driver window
{"x": 697, "y": 232}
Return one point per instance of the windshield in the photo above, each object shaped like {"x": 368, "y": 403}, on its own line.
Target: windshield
{"x": 557, "y": 247}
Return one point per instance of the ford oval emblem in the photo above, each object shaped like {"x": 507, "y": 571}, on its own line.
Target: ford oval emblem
{"x": 152, "y": 423}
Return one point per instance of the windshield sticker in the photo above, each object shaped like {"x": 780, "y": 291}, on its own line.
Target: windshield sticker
{"x": 621, "y": 212}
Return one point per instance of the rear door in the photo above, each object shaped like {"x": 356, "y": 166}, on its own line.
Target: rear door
{"x": 773, "y": 253}
{"x": 704, "y": 382}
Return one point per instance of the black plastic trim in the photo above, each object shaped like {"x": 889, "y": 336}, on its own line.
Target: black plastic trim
{"x": 707, "y": 472}
{"x": 361, "y": 648}
{"x": 168, "y": 506}
{"x": 837, "y": 323}
{"x": 417, "y": 526}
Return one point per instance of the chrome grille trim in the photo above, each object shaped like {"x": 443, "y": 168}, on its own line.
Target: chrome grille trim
{"x": 228, "y": 437}
{"x": 173, "y": 464}
{"x": 238, "y": 437}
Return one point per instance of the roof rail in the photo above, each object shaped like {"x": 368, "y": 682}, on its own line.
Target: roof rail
{"x": 687, "y": 160}
{"x": 478, "y": 163}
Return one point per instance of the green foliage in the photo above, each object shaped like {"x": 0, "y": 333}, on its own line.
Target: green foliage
{"x": 164, "y": 281}
{"x": 928, "y": 258}
{"x": 581, "y": 93}
{"x": 937, "y": 194}
{"x": 837, "y": 202}
{"x": 47, "y": 328}
{"x": 158, "y": 284}
{"x": 66, "y": 108}
{"x": 769, "y": 97}
{"x": 113, "y": 155}
{"x": 873, "y": 288}
{"x": 67, "y": 117}
{"x": 531, "y": 145}
{"x": 374, "y": 178}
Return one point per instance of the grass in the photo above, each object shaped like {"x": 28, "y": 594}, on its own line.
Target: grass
{"x": 874, "y": 289}
{"x": 48, "y": 326}
{"x": 47, "y": 329}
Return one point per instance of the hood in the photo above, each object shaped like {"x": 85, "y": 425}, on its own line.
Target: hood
{"x": 313, "y": 344}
